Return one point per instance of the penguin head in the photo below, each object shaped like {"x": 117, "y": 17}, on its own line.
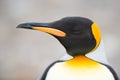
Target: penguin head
{"x": 78, "y": 35}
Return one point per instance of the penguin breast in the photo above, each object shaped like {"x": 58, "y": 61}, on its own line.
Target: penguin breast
{"x": 79, "y": 71}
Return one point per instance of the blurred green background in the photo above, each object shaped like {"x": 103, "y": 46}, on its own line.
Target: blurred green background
{"x": 24, "y": 54}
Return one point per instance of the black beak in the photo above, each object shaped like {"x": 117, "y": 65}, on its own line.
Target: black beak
{"x": 44, "y": 27}
{"x": 31, "y": 25}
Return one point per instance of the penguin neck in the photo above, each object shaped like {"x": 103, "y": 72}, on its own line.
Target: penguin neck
{"x": 82, "y": 61}
{"x": 81, "y": 58}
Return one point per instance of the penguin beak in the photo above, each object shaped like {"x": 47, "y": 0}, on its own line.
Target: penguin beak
{"x": 44, "y": 27}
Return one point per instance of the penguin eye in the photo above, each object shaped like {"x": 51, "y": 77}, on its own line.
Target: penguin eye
{"x": 76, "y": 31}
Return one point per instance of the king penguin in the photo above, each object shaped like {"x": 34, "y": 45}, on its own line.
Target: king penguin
{"x": 79, "y": 36}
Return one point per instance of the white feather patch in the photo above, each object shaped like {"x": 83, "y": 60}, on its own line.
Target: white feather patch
{"x": 62, "y": 72}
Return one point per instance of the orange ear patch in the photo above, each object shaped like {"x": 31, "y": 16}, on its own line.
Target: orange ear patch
{"x": 97, "y": 34}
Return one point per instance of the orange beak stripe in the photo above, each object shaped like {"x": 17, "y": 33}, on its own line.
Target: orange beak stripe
{"x": 52, "y": 31}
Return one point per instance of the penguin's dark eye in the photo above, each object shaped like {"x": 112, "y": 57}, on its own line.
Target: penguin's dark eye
{"x": 76, "y": 31}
